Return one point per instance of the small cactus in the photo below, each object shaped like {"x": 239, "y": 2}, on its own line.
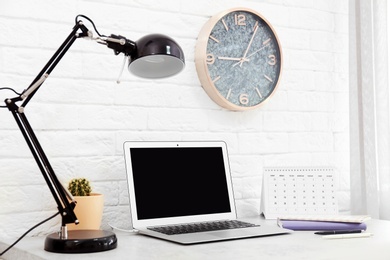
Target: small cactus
{"x": 80, "y": 187}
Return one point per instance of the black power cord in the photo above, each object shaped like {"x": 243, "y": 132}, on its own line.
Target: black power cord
{"x": 93, "y": 24}
{"x": 28, "y": 231}
{"x": 7, "y": 88}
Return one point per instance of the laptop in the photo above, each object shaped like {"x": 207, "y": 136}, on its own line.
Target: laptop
{"x": 183, "y": 186}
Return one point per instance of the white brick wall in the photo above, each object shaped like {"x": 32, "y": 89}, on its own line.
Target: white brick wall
{"x": 82, "y": 116}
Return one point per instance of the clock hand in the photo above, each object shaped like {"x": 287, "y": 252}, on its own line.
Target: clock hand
{"x": 249, "y": 45}
{"x": 230, "y": 58}
{"x": 253, "y": 53}
{"x": 250, "y": 55}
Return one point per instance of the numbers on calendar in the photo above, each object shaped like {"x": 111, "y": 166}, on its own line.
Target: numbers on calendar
{"x": 299, "y": 191}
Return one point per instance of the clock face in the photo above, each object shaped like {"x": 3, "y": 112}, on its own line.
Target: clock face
{"x": 238, "y": 59}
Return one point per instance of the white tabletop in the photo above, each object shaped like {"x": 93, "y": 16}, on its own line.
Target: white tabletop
{"x": 298, "y": 245}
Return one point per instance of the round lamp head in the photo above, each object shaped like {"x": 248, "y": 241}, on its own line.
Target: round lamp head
{"x": 156, "y": 56}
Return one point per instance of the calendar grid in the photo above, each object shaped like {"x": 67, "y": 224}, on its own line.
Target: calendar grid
{"x": 298, "y": 191}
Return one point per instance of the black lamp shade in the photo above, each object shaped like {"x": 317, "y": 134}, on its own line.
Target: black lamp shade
{"x": 156, "y": 56}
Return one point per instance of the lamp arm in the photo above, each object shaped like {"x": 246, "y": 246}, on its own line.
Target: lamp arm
{"x": 54, "y": 60}
{"x": 65, "y": 202}
{"x": 64, "y": 206}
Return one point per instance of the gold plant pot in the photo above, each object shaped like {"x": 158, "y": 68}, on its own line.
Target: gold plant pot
{"x": 89, "y": 211}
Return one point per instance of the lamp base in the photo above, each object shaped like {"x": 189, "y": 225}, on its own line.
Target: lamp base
{"x": 81, "y": 241}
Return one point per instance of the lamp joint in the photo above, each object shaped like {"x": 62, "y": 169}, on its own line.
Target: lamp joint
{"x": 120, "y": 44}
{"x": 11, "y": 103}
{"x": 84, "y": 31}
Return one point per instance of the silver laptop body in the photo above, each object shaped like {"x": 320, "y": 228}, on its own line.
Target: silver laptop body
{"x": 174, "y": 183}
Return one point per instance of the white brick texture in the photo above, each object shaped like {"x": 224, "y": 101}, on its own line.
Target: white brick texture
{"x": 82, "y": 116}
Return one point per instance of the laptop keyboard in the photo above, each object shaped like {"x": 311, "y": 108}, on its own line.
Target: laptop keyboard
{"x": 201, "y": 227}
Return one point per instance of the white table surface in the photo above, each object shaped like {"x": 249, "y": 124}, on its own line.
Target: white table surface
{"x": 298, "y": 245}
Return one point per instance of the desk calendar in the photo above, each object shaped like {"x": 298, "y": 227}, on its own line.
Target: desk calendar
{"x": 298, "y": 191}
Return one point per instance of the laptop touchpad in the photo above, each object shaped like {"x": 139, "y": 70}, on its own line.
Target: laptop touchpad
{"x": 235, "y": 233}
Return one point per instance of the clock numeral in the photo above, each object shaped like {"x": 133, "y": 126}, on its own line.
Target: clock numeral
{"x": 214, "y": 39}
{"x": 272, "y": 60}
{"x": 244, "y": 99}
{"x": 210, "y": 58}
{"x": 268, "y": 78}
{"x": 239, "y": 19}
{"x": 216, "y": 79}
{"x": 258, "y": 92}
{"x": 266, "y": 41}
{"x": 228, "y": 94}
{"x": 225, "y": 25}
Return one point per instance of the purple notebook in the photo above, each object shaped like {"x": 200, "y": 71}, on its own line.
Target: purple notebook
{"x": 320, "y": 225}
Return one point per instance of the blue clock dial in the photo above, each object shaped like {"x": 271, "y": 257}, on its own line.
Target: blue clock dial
{"x": 242, "y": 59}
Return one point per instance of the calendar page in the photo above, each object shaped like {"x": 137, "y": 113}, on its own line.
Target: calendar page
{"x": 298, "y": 191}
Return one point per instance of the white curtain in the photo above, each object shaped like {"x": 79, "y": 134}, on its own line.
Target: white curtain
{"x": 369, "y": 108}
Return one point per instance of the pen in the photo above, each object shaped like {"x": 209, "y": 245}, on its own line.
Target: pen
{"x": 347, "y": 236}
{"x": 334, "y": 232}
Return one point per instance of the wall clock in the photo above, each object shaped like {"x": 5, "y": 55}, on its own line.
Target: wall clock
{"x": 238, "y": 59}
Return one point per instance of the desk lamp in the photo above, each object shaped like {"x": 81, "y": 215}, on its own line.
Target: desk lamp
{"x": 153, "y": 56}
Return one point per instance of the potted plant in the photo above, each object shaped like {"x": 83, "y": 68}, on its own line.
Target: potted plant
{"x": 89, "y": 206}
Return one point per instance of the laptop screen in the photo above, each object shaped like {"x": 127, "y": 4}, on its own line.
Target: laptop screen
{"x": 170, "y": 180}
{"x": 184, "y": 181}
